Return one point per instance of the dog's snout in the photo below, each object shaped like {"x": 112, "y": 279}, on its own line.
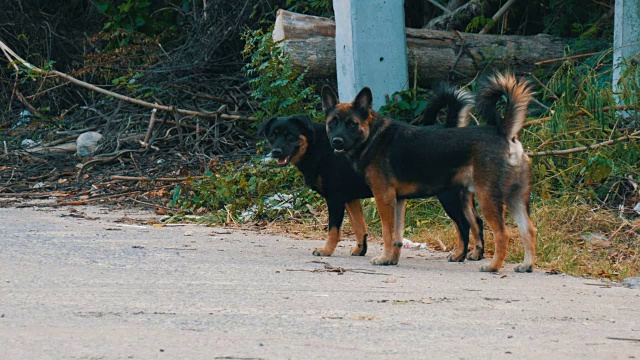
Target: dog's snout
{"x": 276, "y": 153}
{"x": 337, "y": 143}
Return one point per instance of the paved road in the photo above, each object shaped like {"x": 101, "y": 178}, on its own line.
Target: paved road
{"x": 72, "y": 288}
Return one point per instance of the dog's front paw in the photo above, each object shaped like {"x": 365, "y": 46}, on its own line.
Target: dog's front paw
{"x": 489, "y": 268}
{"x": 456, "y": 257}
{"x": 383, "y": 260}
{"x": 523, "y": 268}
{"x": 322, "y": 252}
{"x": 475, "y": 255}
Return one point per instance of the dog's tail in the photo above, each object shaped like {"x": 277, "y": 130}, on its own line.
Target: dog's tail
{"x": 518, "y": 95}
{"x": 458, "y": 102}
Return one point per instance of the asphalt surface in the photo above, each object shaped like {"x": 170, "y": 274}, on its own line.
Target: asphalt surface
{"x": 73, "y": 288}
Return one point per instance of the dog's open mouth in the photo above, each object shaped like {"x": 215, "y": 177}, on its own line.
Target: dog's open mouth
{"x": 283, "y": 161}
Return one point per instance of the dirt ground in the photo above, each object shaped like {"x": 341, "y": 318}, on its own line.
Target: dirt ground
{"x": 85, "y": 288}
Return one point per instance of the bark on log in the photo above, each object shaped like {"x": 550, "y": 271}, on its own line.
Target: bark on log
{"x": 310, "y": 43}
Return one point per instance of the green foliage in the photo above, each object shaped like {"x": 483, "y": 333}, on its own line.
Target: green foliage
{"x": 127, "y": 17}
{"x": 596, "y": 168}
{"x": 579, "y": 119}
{"x": 26, "y": 74}
{"x": 132, "y": 82}
{"x": 322, "y": 8}
{"x": 251, "y": 191}
{"x": 573, "y": 17}
{"x": 278, "y": 86}
{"x": 405, "y": 105}
{"x": 478, "y": 23}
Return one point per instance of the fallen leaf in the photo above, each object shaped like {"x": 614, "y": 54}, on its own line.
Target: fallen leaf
{"x": 158, "y": 225}
{"x": 365, "y": 317}
{"x": 601, "y": 243}
{"x": 161, "y": 211}
{"x": 426, "y": 301}
{"x": 389, "y": 281}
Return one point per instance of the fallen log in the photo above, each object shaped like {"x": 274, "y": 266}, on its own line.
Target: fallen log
{"x": 309, "y": 41}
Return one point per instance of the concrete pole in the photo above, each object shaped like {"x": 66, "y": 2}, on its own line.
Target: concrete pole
{"x": 626, "y": 37}
{"x": 371, "y": 49}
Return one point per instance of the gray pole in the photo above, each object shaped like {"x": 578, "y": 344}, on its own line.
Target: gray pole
{"x": 626, "y": 37}
{"x": 371, "y": 48}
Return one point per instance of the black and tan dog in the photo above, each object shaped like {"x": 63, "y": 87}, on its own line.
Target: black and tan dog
{"x": 298, "y": 141}
{"x": 401, "y": 161}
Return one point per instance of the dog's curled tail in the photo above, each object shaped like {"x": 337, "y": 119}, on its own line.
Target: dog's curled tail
{"x": 458, "y": 102}
{"x": 518, "y": 94}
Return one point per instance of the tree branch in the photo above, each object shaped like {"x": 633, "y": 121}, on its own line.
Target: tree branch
{"x": 578, "y": 113}
{"x": 633, "y": 135}
{"x": 14, "y": 57}
{"x": 497, "y": 16}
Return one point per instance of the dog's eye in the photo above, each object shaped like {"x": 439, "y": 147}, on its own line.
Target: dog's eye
{"x": 333, "y": 122}
{"x": 352, "y": 124}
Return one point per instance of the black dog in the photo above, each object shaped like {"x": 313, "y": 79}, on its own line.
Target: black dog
{"x": 297, "y": 140}
{"x": 402, "y": 162}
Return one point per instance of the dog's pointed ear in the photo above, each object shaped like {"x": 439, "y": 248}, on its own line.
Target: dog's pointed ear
{"x": 304, "y": 123}
{"x": 329, "y": 99}
{"x": 364, "y": 100}
{"x": 263, "y": 129}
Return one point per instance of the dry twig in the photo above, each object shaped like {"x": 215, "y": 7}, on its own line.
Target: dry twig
{"x": 578, "y": 113}
{"x": 633, "y": 135}
{"x": 565, "y": 58}
{"x": 16, "y": 58}
{"x": 497, "y": 16}
{"x": 135, "y": 178}
{"x": 92, "y": 200}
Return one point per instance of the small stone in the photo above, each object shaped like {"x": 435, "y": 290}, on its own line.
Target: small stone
{"x": 632, "y": 282}
{"x": 188, "y": 233}
{"x": 28, "y": 143}
{"x": 597, "y": 239}
{"x": 87, "y": 143}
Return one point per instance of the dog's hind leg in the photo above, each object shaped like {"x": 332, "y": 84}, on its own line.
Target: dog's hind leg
{"x": 401, "y": 206}
{"x": 336, "y": 215}
{"x": 519, "y": 208}
{"x": 493, "y": 211}
{"x": 354, "y": 210}
{"x": 452, "y": 203}
{"x": 476, "y": 225}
